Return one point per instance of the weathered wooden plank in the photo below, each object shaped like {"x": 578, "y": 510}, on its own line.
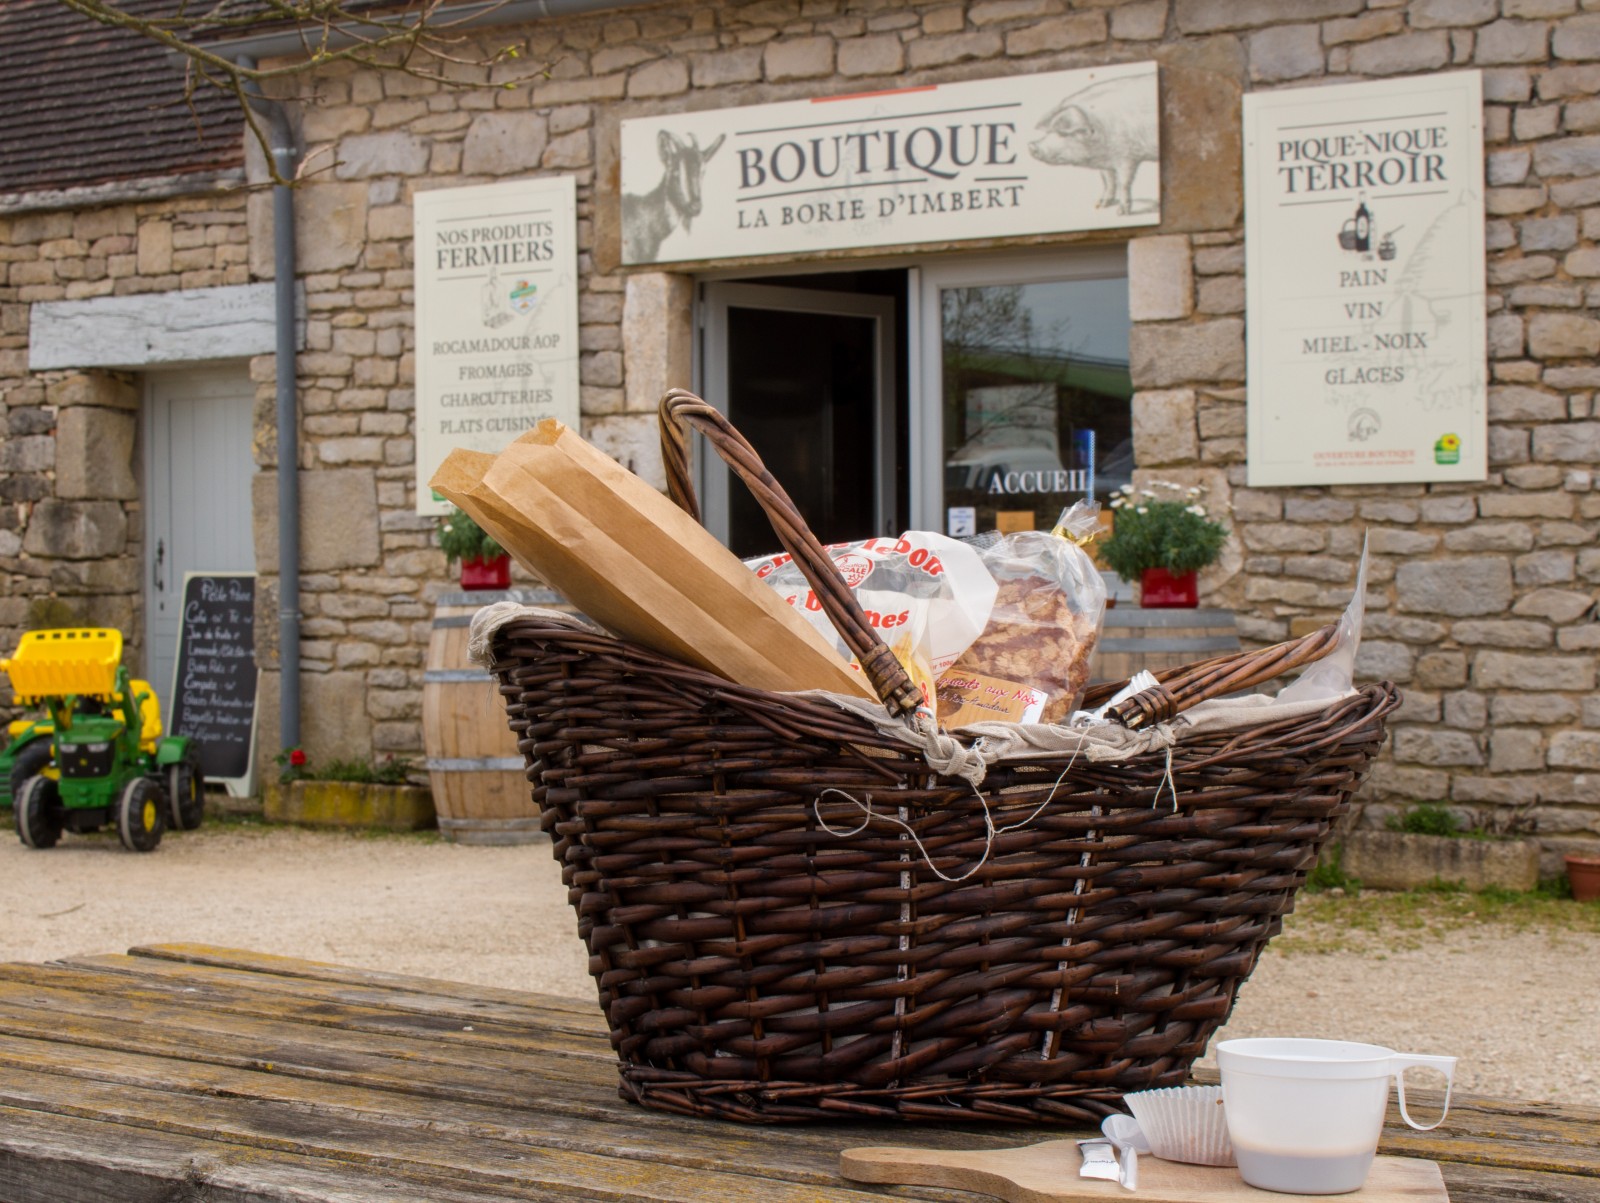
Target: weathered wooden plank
{"x": 1493, "y": 1184}
{"x": 802, "y": 1155}
{"x": 1564, "y": 1147}
{"x": 587, "y": 1028}
{"x": 345, "y": 1085}
{"x": 407, "y": 1152}
{"x": 61, "y": 1159}
{"x": 260, "y": 962}
{"x": 309, "y": 1009}
{"x": 1475, "y": 1134}
{"x": 391, "y": 1062}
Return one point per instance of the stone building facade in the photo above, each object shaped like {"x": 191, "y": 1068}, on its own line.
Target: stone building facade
{"x": 1482, "y": 599}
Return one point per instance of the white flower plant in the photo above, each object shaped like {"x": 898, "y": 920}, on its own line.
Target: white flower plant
{"x": 1162, "y": 525}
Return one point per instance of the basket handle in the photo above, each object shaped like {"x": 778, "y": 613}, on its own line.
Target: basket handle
{"x": 679, "y": 407}
{"x": 1178, "y": 689}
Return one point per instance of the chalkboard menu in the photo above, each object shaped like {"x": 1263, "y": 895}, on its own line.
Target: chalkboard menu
{"x": 214, "y": 689}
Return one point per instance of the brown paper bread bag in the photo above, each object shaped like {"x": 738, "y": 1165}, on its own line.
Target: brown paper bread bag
{"x": 635, "y": 563}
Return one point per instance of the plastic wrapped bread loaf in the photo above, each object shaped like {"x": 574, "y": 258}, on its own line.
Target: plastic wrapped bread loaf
{"x": 1031, "y": 664}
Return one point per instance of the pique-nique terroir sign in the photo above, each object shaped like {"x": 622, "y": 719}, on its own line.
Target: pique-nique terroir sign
{"x": 1365, "y": 282}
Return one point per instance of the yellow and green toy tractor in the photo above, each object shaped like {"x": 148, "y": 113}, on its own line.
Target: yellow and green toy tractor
{"x": 100, "y": 758}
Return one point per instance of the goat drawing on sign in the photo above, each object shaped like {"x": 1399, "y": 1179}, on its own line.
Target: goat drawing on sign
{"x": 647, "y": 218}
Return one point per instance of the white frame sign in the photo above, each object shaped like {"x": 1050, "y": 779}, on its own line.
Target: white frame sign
{"x": 1025, "y": 154}
{"x": 497, "y": 317}
{"x": 1365, "y": 282}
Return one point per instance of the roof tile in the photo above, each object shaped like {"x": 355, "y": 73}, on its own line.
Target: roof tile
{"x": 89, "y": 104}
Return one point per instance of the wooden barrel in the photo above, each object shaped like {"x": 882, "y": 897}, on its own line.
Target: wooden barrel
{"x": 480, "y": 787}
{"x": 1134, "y": 639}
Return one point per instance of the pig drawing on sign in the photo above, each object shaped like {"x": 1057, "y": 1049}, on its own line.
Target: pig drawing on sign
{"x": 1109, "y": 127}
{"x": 647, "y": 218}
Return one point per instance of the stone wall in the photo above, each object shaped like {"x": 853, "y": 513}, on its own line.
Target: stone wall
{"x": 1482, "y": 596}
{"x": 70, "y": 521}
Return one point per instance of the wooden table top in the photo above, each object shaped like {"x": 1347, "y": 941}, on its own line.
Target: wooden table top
{"x": 189, "y": 1073}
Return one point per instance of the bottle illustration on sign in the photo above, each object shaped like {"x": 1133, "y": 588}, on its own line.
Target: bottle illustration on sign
{"x": 1356, "y": 233}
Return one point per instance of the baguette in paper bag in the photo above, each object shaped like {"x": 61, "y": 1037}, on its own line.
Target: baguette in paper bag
{"x": 635, "y": 563}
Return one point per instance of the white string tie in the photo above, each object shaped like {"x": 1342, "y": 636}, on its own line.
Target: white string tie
{"x": 1167, "y": 782}
{"x": 990, "y": 831}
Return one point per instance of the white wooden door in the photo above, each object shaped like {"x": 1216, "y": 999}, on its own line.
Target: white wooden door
{"x": 198, "y": 465}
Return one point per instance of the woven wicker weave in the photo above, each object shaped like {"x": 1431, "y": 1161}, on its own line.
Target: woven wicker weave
{"x": 755, "y": 966}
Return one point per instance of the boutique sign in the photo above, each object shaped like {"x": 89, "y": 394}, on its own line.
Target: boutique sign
{"x": 497, "y": 317}
{"x": 1035, "y": 154}
{"x": 1365, "y": 282}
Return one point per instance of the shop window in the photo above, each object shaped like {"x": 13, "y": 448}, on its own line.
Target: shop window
{"x": 1034, "y": 393}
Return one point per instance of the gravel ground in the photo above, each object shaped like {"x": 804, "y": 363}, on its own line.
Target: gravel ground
{"x": 1518, "y": 1007}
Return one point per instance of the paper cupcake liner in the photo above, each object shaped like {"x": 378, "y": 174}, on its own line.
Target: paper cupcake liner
{"x": 1184, "y": 1123}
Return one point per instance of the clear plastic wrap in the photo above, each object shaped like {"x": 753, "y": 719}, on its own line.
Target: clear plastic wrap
{"x": 928, "y": 596}
{"x": 1031, "y": 664}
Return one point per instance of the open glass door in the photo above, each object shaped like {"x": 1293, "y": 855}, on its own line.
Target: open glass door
{"x": 1026, "y": 394}
{"x": 807, "y": 375}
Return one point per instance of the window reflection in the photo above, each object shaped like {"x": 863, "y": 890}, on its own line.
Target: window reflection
{"x": 1036, "y": 400}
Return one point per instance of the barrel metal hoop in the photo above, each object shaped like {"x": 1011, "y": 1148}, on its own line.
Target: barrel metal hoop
{"x": 452, "y": 620}
{"x": 456, "y": 676}
{"x": 482, "y": 764}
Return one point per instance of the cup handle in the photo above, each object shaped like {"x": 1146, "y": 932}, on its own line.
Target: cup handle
{"x": 1404, "y": 1061}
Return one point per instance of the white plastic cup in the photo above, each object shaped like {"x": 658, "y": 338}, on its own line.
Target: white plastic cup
{"x": 1305, "y": 1115}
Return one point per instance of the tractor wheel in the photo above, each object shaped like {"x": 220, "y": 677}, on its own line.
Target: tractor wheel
{"x": 186, "y": 791}
{"x": 38, "y": 809}
{"x": 141, "y": 815}
{"x": 32, "y": 759}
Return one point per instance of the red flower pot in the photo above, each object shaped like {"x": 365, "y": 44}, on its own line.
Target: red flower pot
{"x": 1584, "y": 874}
{"x": 1161, "y": 590}
{"x": 486, "y": 574}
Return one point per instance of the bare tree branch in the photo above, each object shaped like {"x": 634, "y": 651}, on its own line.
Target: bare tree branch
{"x": 421, "y": 39}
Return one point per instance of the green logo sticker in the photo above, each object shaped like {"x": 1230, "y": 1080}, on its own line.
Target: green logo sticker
{"x": 1447, "y": 450}
{"x": 524, "y": 296}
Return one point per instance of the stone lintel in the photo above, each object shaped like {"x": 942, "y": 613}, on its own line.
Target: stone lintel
{"x": 152, "y": 329}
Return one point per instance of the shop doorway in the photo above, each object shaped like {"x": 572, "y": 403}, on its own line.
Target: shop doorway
{"x": 198, "y": 468}
{"x": 809, "y": 370}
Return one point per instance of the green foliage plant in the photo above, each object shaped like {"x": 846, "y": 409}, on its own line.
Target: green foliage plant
{"x": 388, "y": 771}
{"x": 294, "y": 765}
{"x": 464, "y": 539}
{"x": 1162, "y": 525}
{"x": 1329, "y": 874}
{"x": 1427, "y": 818}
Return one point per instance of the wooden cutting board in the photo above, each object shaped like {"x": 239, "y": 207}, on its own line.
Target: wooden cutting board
{"x": 1048, "y": 1173}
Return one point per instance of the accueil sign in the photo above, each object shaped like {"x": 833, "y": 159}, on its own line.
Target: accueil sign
{"x": 1031, "y": 154}
{"x": 497, "y": 317}
{"x": 1365, "y": 282}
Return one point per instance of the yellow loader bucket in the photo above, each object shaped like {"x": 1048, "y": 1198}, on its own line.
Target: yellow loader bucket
{"x": 78, "y": 660}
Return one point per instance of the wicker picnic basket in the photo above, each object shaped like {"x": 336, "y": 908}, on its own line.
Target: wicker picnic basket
{"x": 757, "y": 962}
